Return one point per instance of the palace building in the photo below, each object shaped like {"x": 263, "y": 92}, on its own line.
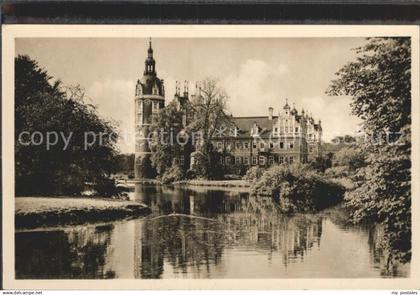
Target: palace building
{"x": 288, "y": 136}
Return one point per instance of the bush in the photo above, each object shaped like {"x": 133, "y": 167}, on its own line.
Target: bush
{"x": 106, "y": 187}
{"x": 337, "y": 171}
{"x": 298, "y": 189}
{"x": 253, "y": 173}
{"x": 198, "y": 166}
{"x": 351, "y": 157}
{"x": 174, "y": 173}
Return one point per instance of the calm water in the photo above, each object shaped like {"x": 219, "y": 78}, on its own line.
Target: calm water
{"x": 205, "y": 233}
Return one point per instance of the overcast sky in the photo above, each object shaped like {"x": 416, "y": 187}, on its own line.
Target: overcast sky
{"x": 256, "y": 73}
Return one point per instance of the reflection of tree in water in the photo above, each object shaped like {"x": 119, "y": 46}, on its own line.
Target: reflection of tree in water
{"x": 383, "y": 257}
{"x": 184, "y": 242}
{"x": 237, "y": 220}
{"x": 76, "y": 254}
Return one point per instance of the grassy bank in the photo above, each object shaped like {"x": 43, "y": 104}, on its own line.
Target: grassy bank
{"x": 214, "y": 183}
{"x": 32, "y": 212}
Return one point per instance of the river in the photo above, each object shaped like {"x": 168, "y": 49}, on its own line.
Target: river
{"x": 207, "y": 233}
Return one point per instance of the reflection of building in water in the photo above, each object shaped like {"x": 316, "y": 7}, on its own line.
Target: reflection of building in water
{"x": 256, "y": 223}
{"x": 181, "y": 242}
{"x": 232, "y": 219}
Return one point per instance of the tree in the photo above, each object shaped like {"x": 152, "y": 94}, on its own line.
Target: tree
{"x": 170, "y": 140}
{"x": 322, "y": 162}
{"x": 43, "y": 106}
{"x": 346, "y": 139}
{"x": 352, "y": 157}
{"x": 210, "y": 119}
{"x": 125, "y": 164}
{"x": 379, "y": 82}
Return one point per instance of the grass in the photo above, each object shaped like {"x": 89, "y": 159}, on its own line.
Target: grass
{"x": 32, "y": 212}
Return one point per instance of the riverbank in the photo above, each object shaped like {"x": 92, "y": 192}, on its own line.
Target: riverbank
{"x": 32, "y": 212}
{"x": 214, "y": 183}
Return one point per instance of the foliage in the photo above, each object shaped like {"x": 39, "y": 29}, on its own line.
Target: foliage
{"x": 346, "y": 139}
{"x": 380, "y": 83}
{"x": 200, "y": 162}
{"x": 253, "y": 173}
{"x": 321, "y": 163}
{"x": 352, "y": 157}
{"x": 125, "y": 163}
{"x": 105, "y": 187}
{"x": 298, "y": 188}
{"x": 165, "y": 147}
{"x": 209, "y": 119}
{"x": 337, "y": 171}
{"x": 174, "y": 173}
{"x": 44, "y": 106}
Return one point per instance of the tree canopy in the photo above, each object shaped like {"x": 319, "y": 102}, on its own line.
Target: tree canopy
{"x": 45, "y": 106}
{"x": 379, "y": 82}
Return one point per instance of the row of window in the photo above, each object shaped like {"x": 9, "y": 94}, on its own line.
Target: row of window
{"x": 260, "y": 160}
{"x": 255, "y": 145}
{"x": 155, "y": 106}
{"x": 286, "y": 129}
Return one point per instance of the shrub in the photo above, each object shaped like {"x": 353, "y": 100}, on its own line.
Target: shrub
{"x": 337, "y": 171}
{"x": 351, "y": 157}
{"x": 298, "y": 189}
{"x": 106, "y": 187}
{"x": 253, "y": 174}
{"x": 174, "y": 173}
{"x": 199, "y": 164}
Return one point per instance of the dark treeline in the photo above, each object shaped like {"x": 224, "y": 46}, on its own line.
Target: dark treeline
{"x": 44, "y": 106}
{"x": 379, "y": 82}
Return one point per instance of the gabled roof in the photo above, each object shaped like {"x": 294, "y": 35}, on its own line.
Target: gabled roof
{"x": 246, "y": 123}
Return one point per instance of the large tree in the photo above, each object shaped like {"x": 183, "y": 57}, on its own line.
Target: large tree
{"x": 210, "y": 120}
{"x": 379, "y": 81}
{"x": 46, "y": 107}
{"x": 168, "y": 142}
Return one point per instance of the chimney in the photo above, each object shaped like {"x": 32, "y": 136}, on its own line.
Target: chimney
{"x": 270, "y": 113}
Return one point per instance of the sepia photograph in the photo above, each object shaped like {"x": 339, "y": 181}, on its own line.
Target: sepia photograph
{"x": 212, "y": 156}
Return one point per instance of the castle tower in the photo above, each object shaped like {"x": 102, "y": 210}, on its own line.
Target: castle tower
{"x": 149, "y": 99}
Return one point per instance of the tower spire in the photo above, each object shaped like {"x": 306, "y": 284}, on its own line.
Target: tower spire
{"x": 150, "y": 63}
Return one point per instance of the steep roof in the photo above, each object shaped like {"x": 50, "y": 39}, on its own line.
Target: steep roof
{"x": 246, "y": 123}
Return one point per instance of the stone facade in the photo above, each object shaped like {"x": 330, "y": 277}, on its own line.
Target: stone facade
{"x": 288, "y": 137}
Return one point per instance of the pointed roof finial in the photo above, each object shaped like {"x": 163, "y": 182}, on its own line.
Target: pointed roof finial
{"x": 286, "y": 106}
{"x": 150, "y": 50}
